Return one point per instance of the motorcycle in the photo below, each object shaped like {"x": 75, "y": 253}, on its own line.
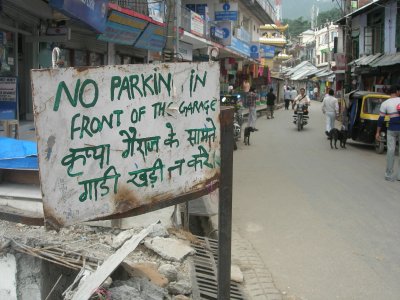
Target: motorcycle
{"x": 300, "y": 117}
{"x": 234, "y": 100}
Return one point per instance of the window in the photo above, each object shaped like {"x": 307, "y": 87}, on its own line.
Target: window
{"x": 368, "y": 40}
{"x": 80, "y": 58}
{"x": 372, "y": 105}
{"x": 374, "y": 32}
{"x": 95, "y": 59}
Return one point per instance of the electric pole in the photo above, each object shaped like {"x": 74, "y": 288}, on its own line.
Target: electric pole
{"x": 348, "y": 46}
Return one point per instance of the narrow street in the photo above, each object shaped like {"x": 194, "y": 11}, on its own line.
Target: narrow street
{"x": 325, "y": 222}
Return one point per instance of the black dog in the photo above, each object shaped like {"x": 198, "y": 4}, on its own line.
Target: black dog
{"x": 335, "y": 135}
{"x": 247, "y": 132}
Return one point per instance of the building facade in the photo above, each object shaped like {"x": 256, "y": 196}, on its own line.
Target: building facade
{"x": 92, "y": 33}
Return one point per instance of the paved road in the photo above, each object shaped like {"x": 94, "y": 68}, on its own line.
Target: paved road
{"x": 325, "y": 222}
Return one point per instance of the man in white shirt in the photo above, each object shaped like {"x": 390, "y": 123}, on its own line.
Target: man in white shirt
{"x": 330, "y": 107}
{"x": 391, "y": 108}
{"x": 302, "y": 98}
{"x": 293, "y": 95}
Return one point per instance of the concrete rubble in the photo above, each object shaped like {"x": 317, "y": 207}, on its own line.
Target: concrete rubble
{"x": 170, "y": 249}
{"x": 45, "y": 262}
{"x": 236, "y": 274}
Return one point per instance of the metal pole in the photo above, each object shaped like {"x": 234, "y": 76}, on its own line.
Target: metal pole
{"x": 329, "y": 46}
{"x": 348, "y": 48}
{"x": 177, "y": 25}
{"x": 225, "y": 204}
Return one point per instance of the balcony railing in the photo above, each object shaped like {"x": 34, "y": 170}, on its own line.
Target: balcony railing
{"x": 139, "y": 6}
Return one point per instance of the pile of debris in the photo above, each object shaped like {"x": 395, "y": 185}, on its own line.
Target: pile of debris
{"x": 86, "y": 262}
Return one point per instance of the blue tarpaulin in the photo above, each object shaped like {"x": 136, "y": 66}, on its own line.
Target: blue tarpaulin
{"x": 18, "y": 154}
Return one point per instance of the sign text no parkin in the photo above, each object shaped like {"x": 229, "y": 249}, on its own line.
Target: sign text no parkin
{"x": 115, "y": 138}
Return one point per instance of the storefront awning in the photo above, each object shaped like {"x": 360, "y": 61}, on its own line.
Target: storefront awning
{"x": 365, "y": 60}
{"x": 127, "y": 27}
{"x": 386, "y": 60}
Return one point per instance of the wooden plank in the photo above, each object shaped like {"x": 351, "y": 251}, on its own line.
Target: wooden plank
{"x": 93, "y": 281}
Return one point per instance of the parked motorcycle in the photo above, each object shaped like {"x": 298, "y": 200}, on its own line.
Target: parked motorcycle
{"x": 300, "y": 117}
{"x": 234, "y": 100}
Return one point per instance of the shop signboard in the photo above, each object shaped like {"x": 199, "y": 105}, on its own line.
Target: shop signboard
{"x": 340, "y": 59}
{"x": 239, "y": 46}
{"x": 90, "y": 12}
{"x": 156, "y": 11}
{"x": 185, "y": 51}
{"x": 227, "y": 11}
{"x": 196, "y": 24}
{"x": 226, "y": 28}
{"x": 216, "y": 32}
{"x": 8, "y": 98}
{"x": 153, "y": 38}
{"x": 254, "y": 50}
{"x": 132, "y": 137}
{"x": 243, "y": 35}
{"x": 122, "y": 29}
{"x": 267, "y": 51}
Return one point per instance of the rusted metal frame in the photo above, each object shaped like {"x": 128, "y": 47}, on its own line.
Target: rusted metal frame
{"x": 225, "y": 204}
{"x": 163, "y": 204}
{"x": 19, "y": 216}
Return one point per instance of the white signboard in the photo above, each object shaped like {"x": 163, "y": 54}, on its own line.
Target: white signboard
{"x": 115, "y": 138}
{"x": 196, "y": 24}
{"x": 185, "y": 51}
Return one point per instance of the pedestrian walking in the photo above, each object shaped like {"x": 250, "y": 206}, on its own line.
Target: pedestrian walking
{"x": 270, "y": 103}
{"x": 293, "y": 95}
{"x": 286, "y": 96}
{"x": 315, "y": 91}
{"x": 391, "y": 108}
{"x": 330, "y": 107}
{"x": 251, "y": 102}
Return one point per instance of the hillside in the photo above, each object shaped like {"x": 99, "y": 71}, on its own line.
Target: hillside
{"x": 293, "y": 9}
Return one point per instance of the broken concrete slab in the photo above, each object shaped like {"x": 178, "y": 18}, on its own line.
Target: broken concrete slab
{"x": 8, "y": 283}
{"x": 94, "y": 280}
{"x": 122, "y": 237}
{"x": 29, "y": 272}
{"x": 180, "y": 287}
{"x": 147, "y": 270}
{"x": 236, "y": 274}
{"x": 159, "y": 230}
{"x": 180, "y": 297}
{"x": 4, "y": 243}
{"x": 139, "y": 288}
{"x": 169, "y": 248}
{"x": 169, "y": 271}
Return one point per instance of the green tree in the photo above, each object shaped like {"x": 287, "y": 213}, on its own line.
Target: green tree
{"x": 297, "y": 26}
{"x": 329, "y": 16}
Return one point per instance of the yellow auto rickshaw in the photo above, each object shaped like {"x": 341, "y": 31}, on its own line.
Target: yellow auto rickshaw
{"x": 362, "y": 117}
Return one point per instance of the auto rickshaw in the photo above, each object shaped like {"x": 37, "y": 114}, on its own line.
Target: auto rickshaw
{"x": 362, "y": 117}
